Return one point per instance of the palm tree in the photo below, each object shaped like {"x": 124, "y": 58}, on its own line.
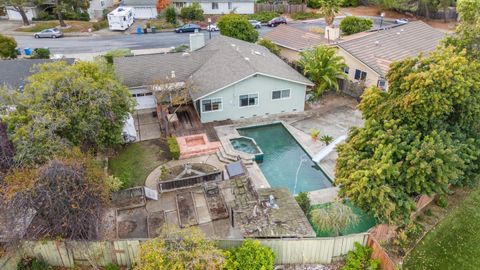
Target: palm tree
{"x": 328, "y": 8}
{"x": 323, "y": 67}
{"x": 327, "y": 139}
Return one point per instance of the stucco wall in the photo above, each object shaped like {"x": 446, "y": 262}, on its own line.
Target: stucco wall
{"x": 96, "y": 8}
{"x": 353, "y": 64}
{"x": 290, "y": 55}
{"x": 240, "y": 8}
{"x": 263, "y": 86}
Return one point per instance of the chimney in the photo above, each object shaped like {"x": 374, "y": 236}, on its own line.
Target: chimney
{"x": 332, "y": 33}
{"x": 197, "y": 41}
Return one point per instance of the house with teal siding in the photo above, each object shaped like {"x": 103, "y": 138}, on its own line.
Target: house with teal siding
{"x": 228, "y": 79}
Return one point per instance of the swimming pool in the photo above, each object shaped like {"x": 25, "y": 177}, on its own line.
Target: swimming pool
{"x": 284, "y": 159}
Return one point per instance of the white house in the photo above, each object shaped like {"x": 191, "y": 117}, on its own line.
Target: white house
{"x": 143, "y": 9}
{"x": 14, "y": 15}
{"x": 96, "y": 8}
{"x": 220, "y": 6}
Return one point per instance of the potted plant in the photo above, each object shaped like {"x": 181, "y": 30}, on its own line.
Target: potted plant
{"x": 326, "y": 139}
{"x": 314, "y": 134}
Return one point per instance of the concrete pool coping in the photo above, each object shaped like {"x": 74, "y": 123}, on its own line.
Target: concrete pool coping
{"x": 316, "y": 196}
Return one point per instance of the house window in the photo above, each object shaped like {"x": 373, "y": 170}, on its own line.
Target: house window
{"x": 214, "y": 5}
{"x": 211, "y": 105}
{"x": 248, "y": 100}
{"x": 179, "y": 4}
{"x": 346, "y": 70}
{"x": 102, "y": 3}
{"x": 360, "y": 75}
{"x": 281, "y": 94}
{"x": 229, "y": 5}
{"x": 381, "y": 84}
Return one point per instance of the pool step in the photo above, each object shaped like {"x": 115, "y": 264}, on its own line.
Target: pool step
{"x": 227, "y": 158}
{"x": 221, "y": 158}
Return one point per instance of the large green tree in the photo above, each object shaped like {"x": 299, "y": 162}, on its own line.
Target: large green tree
{"x": 419, "y": 136}
{"x": 324, "y": 67}
{"x": 237, "y": 26}
{"x": 467, "y": 33}
{"x": 63, "y": 105}
{"x": 18, "y": 6}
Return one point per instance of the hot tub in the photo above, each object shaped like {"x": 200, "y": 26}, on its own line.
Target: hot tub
{"x": 249, "y": 146}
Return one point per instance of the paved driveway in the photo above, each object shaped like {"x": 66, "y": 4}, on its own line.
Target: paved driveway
{"x": 147, "y": 126}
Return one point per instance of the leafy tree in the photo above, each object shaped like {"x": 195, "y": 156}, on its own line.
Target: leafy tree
{"x": 323, "y": 67}
{"x": 64, "y": 7}
{"x": 179, "y": 249}
{"x": 237, "y": 26}
{"x": 63, "y": 105}
{"x": 303, "y": 201}
{"x": 18, "y": 6}
{"x": 250, "y": 255}
{"x": 269, "y": 45}
{"x": 171, "y": 14}
{"x": 444, "y": 5}
{"x": 467, "y": 33}
{"x": 7, "y": 47}
{"x": 192, "y": 12}
{"x": 351, "y": 25}
{"x": 419, "y": 136}
{"x": 68, "y": 194}
{"x": 335, "y": 217}
{"x": 360, "y": 259}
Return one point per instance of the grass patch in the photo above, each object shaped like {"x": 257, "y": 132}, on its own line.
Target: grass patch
{"x": 302, "y": 15}
{"x": 365, "y": 222}
{"x": 453, "y": 243}
{"x": 75, "y": 26}
{"x": 136, "y": 161}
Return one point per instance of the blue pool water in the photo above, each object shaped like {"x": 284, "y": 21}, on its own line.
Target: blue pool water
{"x": 282, "y": 157}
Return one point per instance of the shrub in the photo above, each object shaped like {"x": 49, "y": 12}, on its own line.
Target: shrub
{"x": 193, "y": 12}
{"x": 116, "y": 53}
{"x": 263, "y": 16}
{"x": 428, "y": 213}
{"x": 173, "y": 147}
{"x": 349, "y": 3}
{"x": 326, "y": 139}
{"x": 314, "y": 133}
{"x": 32, "y": 264}
{"x": 73, "y": 15}
{"x": 237, "y": 26}
{"x": 335, "y": 217}
{"x": 180, "y": 48}
{"x": 351, "y": 25}
{"x": 171, "y": 14}
{"x": 314, "y": 4}
{"x": 7, "y": 47}
{"x": 303, "y": 201}
{"x": 302, "y": 15}
{"x": 112, "y": 266}
{"x": 41, "y": 53}
{"x": 270, "y": 46}
{"x": 442, "y": 201}
{"x": 250, "y": 255}
{"x": 100, "y": 25}
{"x": 360, "y": 259}
{"x": 43, "y": 16}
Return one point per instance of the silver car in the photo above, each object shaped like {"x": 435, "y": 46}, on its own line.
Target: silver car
{"x": 255, "y": 23}
{"x": 49, "y": 33}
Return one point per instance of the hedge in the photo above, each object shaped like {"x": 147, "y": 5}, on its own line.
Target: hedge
{"x": 173, "y": 147}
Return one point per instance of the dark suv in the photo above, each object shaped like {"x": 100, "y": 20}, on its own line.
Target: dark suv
{"x": 276, "y": 21}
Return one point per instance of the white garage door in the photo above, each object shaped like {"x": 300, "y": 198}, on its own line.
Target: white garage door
{"x": 145, "y": 12}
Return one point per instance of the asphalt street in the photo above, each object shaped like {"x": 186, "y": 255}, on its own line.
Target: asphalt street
{"x": 102, "y": 43}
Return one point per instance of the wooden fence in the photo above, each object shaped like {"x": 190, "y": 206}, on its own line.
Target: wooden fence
{"x": 280, "y": 8}
{"x": 125, "y": 252}
{"x": 378, "y": 253}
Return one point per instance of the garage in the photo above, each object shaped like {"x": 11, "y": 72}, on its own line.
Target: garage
{"x": 141, "y": 12}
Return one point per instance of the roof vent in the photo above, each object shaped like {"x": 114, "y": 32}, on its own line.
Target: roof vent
{"x": 401, "y": 30}
{"x": 257, "y": 53}
{"x": 233, "y": 45}
{"x": 377, "y": 43}
{"x": 173, "y": 74}
{"x": 247, "y": 59}
{"x": 185, "y": 54}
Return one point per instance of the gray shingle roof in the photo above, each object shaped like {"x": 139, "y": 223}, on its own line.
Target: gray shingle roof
{"x": 294, "y": 38}
{"x": 379, "y": 49}
{"x": 222, "y": 62}
{"x": 14, "y": 73}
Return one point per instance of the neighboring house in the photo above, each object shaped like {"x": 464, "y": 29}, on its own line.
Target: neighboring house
{"x": 292, "y": 41}
{"x": 369, "y": 57}
{"x": 220, "y": 6}
{"x": 96, "y": 8}
{"x": 13, "y": 73}
{"x": 143, "y": 9}
{"x": 228, "y": 78}
{"x": 13, "y": 15}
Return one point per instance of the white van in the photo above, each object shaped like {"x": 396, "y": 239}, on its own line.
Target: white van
{"x": 120, "y": 18}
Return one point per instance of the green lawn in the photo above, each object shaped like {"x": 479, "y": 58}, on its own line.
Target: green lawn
{"x": 134, "y": 163}
{"x": 454, "y": 243}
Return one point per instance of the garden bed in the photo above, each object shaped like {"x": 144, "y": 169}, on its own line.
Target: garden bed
{"x": 173, "y": 172}
{"x": 72, "y": 26}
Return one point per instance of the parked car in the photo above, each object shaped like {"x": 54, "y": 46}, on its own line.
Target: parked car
{"x": 212, "y": 27}
{"x": 401, "y": 21}
{"x": 49, "y": 33}
{"x": 190, "y": 27}
{"x": 276, "y": 21}
{"x": 255, "y": 23}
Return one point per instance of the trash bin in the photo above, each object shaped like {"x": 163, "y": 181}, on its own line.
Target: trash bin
{"x": 18, "y": 51}
{"x": 27, "y": 51}
{"x": 154, "y": 29}
{"x": 145, "y": 30}
{"x": 139, "y": 30}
